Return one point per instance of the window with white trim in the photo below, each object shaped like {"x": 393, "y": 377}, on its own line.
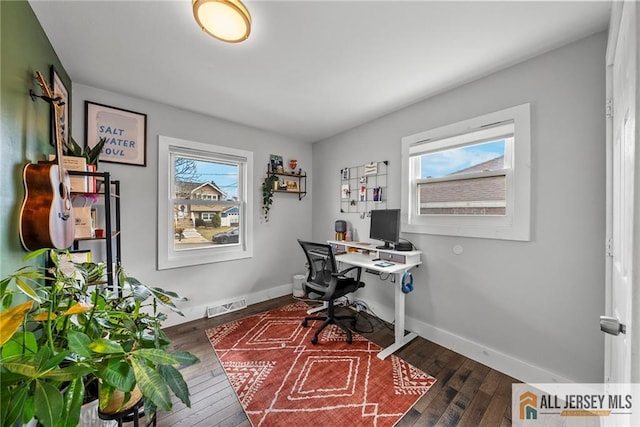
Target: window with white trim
{"x": 471, "y": 178}
{"x": 197, "y": 183}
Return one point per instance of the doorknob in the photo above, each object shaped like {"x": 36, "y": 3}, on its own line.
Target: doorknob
{"x": 612, "y": 326}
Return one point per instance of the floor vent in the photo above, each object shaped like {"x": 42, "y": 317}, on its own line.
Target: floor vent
{"x": 226, "y": 308}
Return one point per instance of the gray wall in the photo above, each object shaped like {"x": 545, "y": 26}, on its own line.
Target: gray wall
{"x": 277, "y": 256}
{"x": 528, "y": 308}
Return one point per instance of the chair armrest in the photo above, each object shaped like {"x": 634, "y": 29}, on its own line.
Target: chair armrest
{"x": 342, "y": 273}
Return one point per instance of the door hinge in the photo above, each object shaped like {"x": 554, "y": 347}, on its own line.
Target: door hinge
{"x": 608, "y": 109}
{"x": 609, "y": 247}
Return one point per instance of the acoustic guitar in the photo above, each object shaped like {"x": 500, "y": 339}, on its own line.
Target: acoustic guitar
{"x": 46, "y": 217}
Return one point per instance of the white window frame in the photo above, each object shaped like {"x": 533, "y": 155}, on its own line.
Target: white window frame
{"x": 516, "y": 223}
{"x": 167, "y": 257}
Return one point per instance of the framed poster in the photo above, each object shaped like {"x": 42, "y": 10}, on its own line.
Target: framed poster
{"x": 125, "y": 131}
{"x": 60, "y": 91}
{"x": 276, "y": 163}
{"x": 291, "y": 185}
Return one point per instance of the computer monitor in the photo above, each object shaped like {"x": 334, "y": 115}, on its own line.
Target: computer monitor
{"x": 385, "y": 226}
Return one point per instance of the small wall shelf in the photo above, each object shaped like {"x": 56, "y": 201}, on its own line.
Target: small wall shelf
{"x": 300, "y": 181}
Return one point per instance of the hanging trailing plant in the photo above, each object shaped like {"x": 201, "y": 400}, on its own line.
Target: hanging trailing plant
{"x": 267, "y": 195}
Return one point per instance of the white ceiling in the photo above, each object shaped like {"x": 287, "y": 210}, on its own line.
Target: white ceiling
{"x": 310, "y": 69}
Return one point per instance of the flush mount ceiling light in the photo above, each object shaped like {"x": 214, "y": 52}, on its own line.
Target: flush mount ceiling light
{"x": 226, "y": 20}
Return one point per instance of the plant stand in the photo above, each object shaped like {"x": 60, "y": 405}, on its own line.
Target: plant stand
{"x": 132, "y": 414}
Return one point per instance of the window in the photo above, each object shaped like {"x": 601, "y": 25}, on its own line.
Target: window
{"x": 205, "y": 199}
{"x": 470, "y": 178}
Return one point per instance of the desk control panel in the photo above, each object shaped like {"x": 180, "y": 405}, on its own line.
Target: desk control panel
{"x": 399, "y": 257}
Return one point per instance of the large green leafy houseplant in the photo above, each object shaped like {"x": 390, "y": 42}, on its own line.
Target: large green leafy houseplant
{"x": 71, "y": 330}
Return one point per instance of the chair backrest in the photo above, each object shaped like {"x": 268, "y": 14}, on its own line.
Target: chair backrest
{"x": 322, "y": 266}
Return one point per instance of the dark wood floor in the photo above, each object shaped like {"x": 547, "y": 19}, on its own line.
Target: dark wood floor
{"x": 467, "y": 393}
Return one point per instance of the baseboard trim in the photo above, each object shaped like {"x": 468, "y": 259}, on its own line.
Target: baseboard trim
{"x": 199, "y": 311}
{"x": 505, "y": 363}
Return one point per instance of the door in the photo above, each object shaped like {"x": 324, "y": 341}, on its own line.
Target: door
{"x": 622, "y": 197}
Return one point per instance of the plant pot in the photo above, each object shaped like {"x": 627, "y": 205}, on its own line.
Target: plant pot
{"x": 117, "y": 403}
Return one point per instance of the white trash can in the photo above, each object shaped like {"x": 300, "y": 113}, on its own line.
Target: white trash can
{"x": 298, "y": 287}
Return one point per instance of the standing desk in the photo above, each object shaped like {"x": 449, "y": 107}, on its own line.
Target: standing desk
{"x": 364, "y": 260}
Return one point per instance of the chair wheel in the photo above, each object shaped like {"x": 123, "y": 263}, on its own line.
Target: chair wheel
{"x": 304, "y": 323}
{"x": 349, "y": 340}
{"x": 314, "y": 340}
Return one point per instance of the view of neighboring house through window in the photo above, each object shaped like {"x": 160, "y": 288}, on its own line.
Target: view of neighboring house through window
{"x": 205, "y": 192}
{"x": 206, "y": 218}
{"x": 470, "y": 178}
{"x": 467, "y": 180}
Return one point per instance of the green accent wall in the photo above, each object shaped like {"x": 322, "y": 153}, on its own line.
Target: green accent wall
{"x": 24, "y": 124}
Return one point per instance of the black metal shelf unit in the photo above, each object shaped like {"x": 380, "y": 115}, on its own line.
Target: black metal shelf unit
{"x": 109, "y": 191}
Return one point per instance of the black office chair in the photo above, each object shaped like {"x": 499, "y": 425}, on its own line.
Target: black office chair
{"x": 325, "y": 279}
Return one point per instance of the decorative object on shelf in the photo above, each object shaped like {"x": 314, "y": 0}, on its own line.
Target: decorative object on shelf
{"x": 226, "y": 20}
{"x": 276, "y": 163}
{"x": 293, "y": 164}
{"x": 267, "y": 194}
{"x": 291, "y": 185}
{"x": 67, "y": 263}
{"x": 125, "y": 133}
{"x": 70, "y": 333}
{"x": 46, "y": 216}
{"x": 61, "y": 94}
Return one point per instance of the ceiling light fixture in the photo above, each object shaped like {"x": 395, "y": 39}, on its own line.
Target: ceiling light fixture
{"x": 226, "y": 20}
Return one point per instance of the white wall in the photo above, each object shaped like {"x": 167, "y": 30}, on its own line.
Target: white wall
{"x": 277, "y": 256}
{"x": 529, "y": 309}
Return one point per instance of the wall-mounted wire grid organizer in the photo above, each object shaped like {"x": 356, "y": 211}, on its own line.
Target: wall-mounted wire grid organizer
{"x": 364, "y": 188}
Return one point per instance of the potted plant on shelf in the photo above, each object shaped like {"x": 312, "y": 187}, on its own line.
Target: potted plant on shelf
{"x": 71, "y": 330}
{"x": 91, "y": 154}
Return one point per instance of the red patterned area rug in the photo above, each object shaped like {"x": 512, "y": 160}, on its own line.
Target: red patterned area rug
{"x": 282, "y": 379}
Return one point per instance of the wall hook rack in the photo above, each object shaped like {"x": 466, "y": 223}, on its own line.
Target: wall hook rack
{"x": 57, "y": 100}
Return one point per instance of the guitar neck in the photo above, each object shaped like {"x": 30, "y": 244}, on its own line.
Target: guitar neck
{"x": 58, "y": 141}
{"x": 56, "y": 121}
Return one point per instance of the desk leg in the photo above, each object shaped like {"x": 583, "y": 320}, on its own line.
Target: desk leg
{"x": 400, "y": 338}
